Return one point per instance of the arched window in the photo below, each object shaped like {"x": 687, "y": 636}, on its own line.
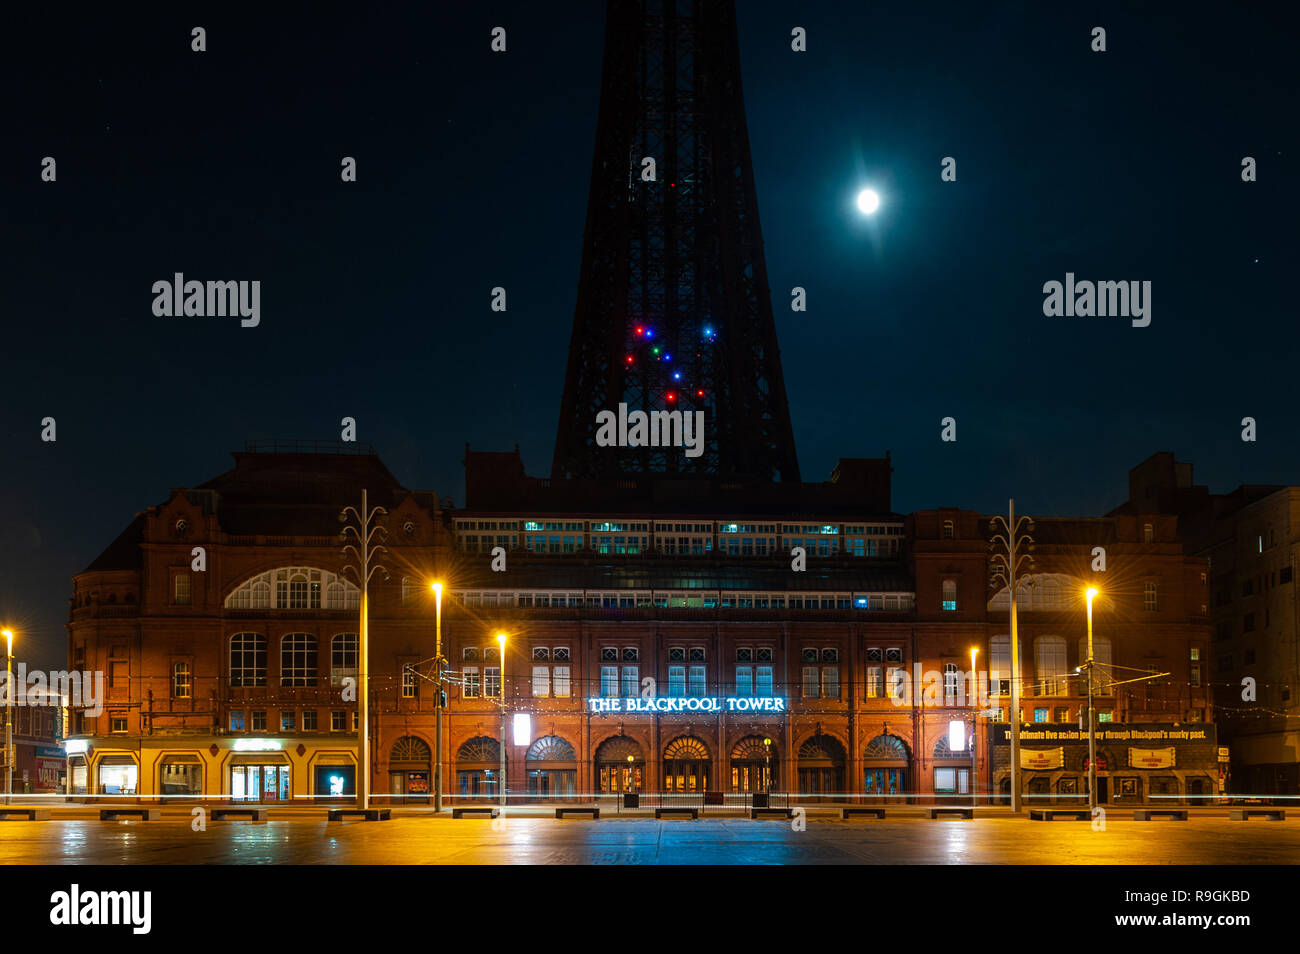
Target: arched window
{"x": 299, "y": 665}
{"x": 410, "y": 749}
{"x": 295, "y": 588}
{"x": 479, "y": 749}
{"x": 343, "y": 657}
{"x": 887, "y": 748}
{"x": 551, "y": 748}
{"x": 182, "y": 681}
{"x": 1103, "y": 676}
{"x": 248, "y": 659}
{"x": 1049, "y": 666}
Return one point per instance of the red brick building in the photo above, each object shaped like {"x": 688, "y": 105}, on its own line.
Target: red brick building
{"x": 679, "y": 602}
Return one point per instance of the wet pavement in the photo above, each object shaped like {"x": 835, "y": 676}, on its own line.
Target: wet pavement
{"x": 308, "y": 839}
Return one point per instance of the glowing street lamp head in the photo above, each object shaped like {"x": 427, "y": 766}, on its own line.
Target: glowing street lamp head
{"x": 1091, "y": 592}
{"x": 9, "y": 640}
{"x": 868, "y": 201}
{"x": 437, "y": 588}
{"x": 501, "y": 638}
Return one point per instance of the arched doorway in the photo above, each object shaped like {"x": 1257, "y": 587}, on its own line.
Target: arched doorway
{"x": 686, "y": 765}
{"x": 884, "y": 769}
{"x": 753, "y": 764}
{"x": 478, "y": 763}
{"x": 620, "y": 765}
{"x": 821, "y": 765}
{"x": 410, "y": 763}
{"x": 552, "y": 768}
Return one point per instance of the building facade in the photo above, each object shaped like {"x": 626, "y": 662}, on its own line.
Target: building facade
{"x": 1251, "y": 539}
{"x": 810, "y": 641}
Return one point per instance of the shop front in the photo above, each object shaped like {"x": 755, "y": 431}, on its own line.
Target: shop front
{"x": 263, "y": 777}
{"x": 117, "y": 775}
{"x": 1137, "y": 763}
{"x": 180, "y": 775}
{"x": 334, "y": 777}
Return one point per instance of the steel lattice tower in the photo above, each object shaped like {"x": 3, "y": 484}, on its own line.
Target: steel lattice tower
{"x": 673, "y": 309}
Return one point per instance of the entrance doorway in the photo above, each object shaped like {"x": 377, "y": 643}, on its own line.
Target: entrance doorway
{"x": 821, "y": 767}
{"x": 620, "y": 765}
{"x": 260, "y": 783}
{"x": 686, "y": 765}
{"x": 753, "y": 765}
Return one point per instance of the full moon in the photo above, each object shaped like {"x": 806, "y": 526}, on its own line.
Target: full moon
{"x": 868, "y": 201}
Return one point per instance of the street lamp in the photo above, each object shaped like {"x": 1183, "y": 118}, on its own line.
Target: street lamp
{"x": 974, "y": 703}
{"x": 627, "y": 784}
{"x": 1090, "y": 593}
{"x": 1010, "y": 546}
{"x": 365, "y": 550}
{"x": 9, "y": 716}
{"x": 437, "y": 699}
{"x": 501, "y": 640}
{"x": 767, "y": 765}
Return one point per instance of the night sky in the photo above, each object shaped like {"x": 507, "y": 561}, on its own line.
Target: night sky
{"x": 473, "y": 169}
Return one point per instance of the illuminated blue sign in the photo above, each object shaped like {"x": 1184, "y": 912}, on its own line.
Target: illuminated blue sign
{"x": 691, "y": 704}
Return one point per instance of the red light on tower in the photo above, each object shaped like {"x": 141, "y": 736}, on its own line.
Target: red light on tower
{"x": 640, "y": 330}
{"x": 699, "y": 393}
{"x": 629, "y": 359}
{"x": 672, "y": 396}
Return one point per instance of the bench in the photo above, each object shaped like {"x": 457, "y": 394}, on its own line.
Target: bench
{"x": 146, "y": 814}
{"x": 475, "y": 810}
{"x": 370, "y": 814}
{"x": 593, "y": 812}
{"x": 959, "y": 812}
{"x": 846, "y": 813}
{"x": 693, "y": 812}
{"x": 254, "y": 814}
{"x": 771, "y": 812}
{"x": 1051, "y": 814}
{"x": 1244, "y": 814}
{"x": 27, "y": 814}
{"x": 1146, "y": 814}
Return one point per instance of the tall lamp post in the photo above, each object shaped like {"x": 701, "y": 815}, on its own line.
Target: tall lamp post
{"x": 974, "y": 705}
{"x": 9, "y": 716}
{"x": 437, "y": 699}
{"x": 1092, "y": 718}
{"x": 501, "y": 781}
{"x": 364, "y": 550}
{"x": 1010, "y": 546}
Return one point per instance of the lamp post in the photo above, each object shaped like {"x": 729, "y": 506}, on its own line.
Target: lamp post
{"x": 627, "y": 785}
{"x": 437, "y": 699}
{"x": 9, "y": 716}
{"x": 501, "y": 640}
{"x": 767, "y": 765}
{"x": 1092, "y": 722}
{"x": 364, "y": 551}
{"x": 974, "y": 703}
{"x": 1010, "y": 546}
